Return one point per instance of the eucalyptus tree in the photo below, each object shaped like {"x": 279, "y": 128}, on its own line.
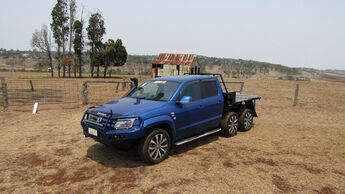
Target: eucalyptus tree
{"x": 78, "y": 44}
{"x": 121, "y": 53}
{"x": 60, "y": 29}
{"x": 72, "y": 10}
{"x": 95, "y": 32}
{"x": 113, "y": 54}
{"x": 41, "y": 39}
{"x": 71, "y": 13}
{"x": 108, "y": 55}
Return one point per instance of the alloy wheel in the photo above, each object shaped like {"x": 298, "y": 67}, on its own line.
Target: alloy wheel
{"x": 158, "y": 146}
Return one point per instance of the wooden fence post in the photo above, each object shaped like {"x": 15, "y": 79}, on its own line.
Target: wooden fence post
{"x": 123, "y": 83}
{"x": 117, "y": 87}
{"x": 32, "y": 86}
{"x": 242, "y": 85}
{"x": 77, "y": 84}
{"x": 4, "y": 92}
{"x": 85, "y": 93}
{"x": 296, "y": 95}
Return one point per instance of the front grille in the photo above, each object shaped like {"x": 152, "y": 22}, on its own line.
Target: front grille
{"x": 94, "y": 117}
{"x": 96, "y": 120}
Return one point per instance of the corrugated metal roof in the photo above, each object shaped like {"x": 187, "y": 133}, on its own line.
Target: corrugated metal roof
{"x": 175, "y": 59}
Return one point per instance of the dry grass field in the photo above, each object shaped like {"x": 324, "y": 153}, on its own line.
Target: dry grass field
{"x": 289, "y": 150}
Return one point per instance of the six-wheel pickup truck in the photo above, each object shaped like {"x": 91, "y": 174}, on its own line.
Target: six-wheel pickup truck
{"x": 170, "y": 110}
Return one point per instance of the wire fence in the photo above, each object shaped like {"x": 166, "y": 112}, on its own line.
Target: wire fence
{"x": 99, "y": 92}
{"x": 57, "y": 91}
{"x": 23, "y": 92}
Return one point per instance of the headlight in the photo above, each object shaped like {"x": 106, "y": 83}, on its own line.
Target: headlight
{"x": 124, "y": 123}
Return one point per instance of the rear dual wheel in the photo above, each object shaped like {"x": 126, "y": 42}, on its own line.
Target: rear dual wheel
{"x": 246, "y": 120}
{"x": 230, "y": 124}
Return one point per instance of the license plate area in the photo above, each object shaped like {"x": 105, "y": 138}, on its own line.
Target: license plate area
{"x": 92, "y": 131}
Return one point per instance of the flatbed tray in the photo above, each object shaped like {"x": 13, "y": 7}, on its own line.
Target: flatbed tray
{"x": 236, "y": 97}
{"x": 245, "y": 97}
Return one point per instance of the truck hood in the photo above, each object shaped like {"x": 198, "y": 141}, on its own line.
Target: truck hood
{"x": 130, "y": 106}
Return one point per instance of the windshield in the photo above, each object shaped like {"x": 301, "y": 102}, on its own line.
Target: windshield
{"x": 155, "y": 90}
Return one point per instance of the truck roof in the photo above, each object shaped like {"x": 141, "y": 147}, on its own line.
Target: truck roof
{"x": 183, "y": 78}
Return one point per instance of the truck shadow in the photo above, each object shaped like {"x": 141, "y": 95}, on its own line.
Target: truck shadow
{"x": 114, "y": 157}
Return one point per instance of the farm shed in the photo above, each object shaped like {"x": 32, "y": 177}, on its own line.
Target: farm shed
{"x": 175, "y": 64}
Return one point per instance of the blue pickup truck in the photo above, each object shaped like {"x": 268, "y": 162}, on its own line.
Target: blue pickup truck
{"x": 168, "y": 111}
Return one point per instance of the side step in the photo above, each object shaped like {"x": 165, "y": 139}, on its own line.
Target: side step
{"x": 197, "y": 137}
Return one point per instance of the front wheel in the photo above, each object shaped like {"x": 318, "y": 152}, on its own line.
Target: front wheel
{"x": 155, "y": 146}
{"x": 246, "y": 120}
{"x": 230, "y": 124}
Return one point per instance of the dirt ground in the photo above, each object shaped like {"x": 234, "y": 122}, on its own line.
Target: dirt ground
{"x": 290, "y": 149}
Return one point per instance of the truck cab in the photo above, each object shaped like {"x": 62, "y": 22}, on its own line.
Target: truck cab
{"x": 165, "y": 111}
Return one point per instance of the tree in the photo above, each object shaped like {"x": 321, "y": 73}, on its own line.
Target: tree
{"x": 121, "y": 53}
{"x": 72, "y": 11}
{"x": 41, "y": 64}
{"x": 12, "y": 62}
{"x": 95, "y": 32}
{"x": 113, "y": 54}
{"x": 60, "y": 29}
{"x": 68, "y": 61}
{"x": 78, "y": 44}
{"x": 108, "y": 55}
{"x": 42, "y": 40}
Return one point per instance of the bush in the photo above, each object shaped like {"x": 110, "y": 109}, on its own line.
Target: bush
{"x": 290, "y": 77}
{"x": 22, "y": 70}
{"x": 119, "y": 72}
{"x": 145, "y": 73}
{"x": 302, "y": 79}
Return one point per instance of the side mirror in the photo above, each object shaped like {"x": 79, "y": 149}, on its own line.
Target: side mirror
{"x": 185, "y": 100}
{"x": 135, "y": 81}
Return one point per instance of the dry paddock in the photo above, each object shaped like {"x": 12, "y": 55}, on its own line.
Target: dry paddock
{"x": 290, "y": 149}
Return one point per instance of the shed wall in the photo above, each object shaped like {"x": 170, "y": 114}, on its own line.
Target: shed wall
{"x": 171, "y": 70}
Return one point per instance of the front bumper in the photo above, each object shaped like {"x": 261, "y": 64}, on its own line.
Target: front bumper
{"x": 108, "y": 135}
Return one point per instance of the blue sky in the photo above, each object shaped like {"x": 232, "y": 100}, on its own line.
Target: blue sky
{"x": 297, "y": 33}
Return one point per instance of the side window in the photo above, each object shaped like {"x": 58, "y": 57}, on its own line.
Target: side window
{"x": 209, "y": 88}
{"x": 191, "y": 89}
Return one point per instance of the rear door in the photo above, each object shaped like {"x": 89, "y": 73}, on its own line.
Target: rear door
{"x": 204, "y": 113}
{"x": 212, "y": 103}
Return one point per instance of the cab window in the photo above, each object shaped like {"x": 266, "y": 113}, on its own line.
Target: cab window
{"x": 209, "y": 88}
{"x": 191, "y": 89}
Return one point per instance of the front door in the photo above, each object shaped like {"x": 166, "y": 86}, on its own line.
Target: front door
{"x": 188, "y": 115}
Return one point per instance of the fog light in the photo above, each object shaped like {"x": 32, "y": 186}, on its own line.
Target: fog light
{"x": 119, "y": 136}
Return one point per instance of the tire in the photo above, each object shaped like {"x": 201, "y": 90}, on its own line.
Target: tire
{"x": 155, "y": 146}
{"x": 230, "y": 124}
{"x": 246, "y": 120}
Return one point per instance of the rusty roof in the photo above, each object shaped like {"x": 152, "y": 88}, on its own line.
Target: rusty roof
{"x": 175, "y": 59}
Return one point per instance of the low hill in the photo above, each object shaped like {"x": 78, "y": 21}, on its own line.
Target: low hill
{"x": 32, "y": 60}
